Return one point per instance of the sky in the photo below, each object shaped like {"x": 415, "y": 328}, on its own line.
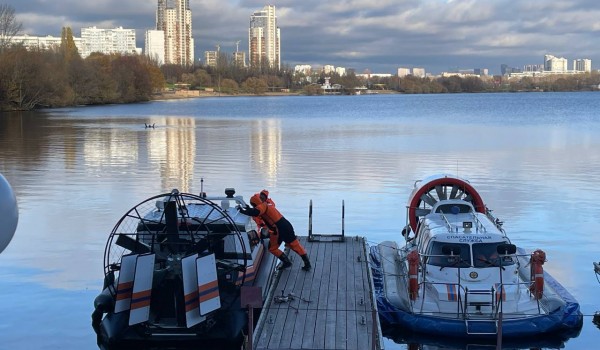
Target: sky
{"x": 375, "y": 35}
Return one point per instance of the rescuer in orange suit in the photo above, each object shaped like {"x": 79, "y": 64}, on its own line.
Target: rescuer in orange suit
{"x": 281, "y": 230}
{"x": 264, "y": 197}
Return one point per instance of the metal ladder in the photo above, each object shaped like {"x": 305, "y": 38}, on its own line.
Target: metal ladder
{"x": 470, "y": 323}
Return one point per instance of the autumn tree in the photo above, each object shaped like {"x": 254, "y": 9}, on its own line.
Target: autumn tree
{"x": 256, "y": 86}
{"x": 9, "y": 27}
{"x": 229, "y": 86}
{"x": 67, "y": 44}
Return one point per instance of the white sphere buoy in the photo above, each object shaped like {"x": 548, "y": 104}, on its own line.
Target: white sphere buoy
{"x": 9, "y": 213}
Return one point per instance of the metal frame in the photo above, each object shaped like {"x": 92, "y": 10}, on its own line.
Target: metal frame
{"x": 325, "y": 237}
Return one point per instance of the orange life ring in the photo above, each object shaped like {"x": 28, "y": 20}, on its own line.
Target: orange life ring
{"x": 538, "y": 258}
{"x": 413, "y": 274}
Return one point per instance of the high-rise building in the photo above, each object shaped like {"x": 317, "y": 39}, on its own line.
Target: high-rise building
{"x": 582, "y": 65}
{"x": 107, "y": 41}
{"x": 555, "y": 64}
{"x": 155, "y": 45}
{"x": 264, "y": 39}
{"x": 174, "y": 18}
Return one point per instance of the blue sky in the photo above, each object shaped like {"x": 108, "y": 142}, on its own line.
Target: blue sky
{"x": 382, "y": 35}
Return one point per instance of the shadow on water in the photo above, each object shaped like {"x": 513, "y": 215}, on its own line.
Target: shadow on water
{"x": 415, "y": 341}
{"x": 205, "y": 345}
{"x": 596, "y": 319}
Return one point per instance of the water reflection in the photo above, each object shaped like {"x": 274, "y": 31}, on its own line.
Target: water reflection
{"x": 414, "y": 341}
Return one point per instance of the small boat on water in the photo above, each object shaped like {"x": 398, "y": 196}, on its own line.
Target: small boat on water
{"x": 459, "y": 275}
{"x": 175, "y": 267}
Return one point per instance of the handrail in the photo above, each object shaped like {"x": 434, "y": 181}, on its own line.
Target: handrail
{"x": 448, "y": 225}
{"x": 479, "y": 223}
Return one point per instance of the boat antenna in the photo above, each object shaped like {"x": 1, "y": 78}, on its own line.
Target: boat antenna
{"x": 201, "y": 186}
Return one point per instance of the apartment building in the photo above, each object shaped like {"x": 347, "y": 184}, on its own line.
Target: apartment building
{"x": 107, "y": 41}
{"x": 174, "y": 18}
{"x": 264, "y": 38}
{"x": 43, "y": 42}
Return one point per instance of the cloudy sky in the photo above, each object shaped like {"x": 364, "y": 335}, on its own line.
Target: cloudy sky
{"x": 379, "y": 35}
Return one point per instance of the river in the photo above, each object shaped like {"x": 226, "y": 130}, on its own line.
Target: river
{"x": 533, "y": 157}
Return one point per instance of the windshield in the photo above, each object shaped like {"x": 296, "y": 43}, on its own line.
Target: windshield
{"x": 486, "y": 255}
{"x": 438, "y": 258}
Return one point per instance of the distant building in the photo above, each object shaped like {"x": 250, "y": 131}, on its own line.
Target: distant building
{"x": 43, "y": 42}
{"x": 239, "y": 58}
{"x": 555, "y": 64}
{"x": 505, "y": 69}
{"x": 374, "y": 75}
{"x": 402, "y": 72}
{"x": 481, "y": 71}
{"x": 341, "y": 71}
{"x": 533, "y": 68}
{"x": 582, "y": 65}
{"x": 464, "y": 73}
{"x": 264, "y": 38}
{"x": 328, "y": 69}
{"x": 210, "y": 58}
{"x": 305, "y": 69}
{"x": 418, "y": 72}
{"x": 107, "y": 41}
{"x": 155, "y": 45}
{"x": 174, "y": 18}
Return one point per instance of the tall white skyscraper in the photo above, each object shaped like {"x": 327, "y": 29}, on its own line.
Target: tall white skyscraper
{"x": 174, "y": 18}
{"x": 264, "y": 39}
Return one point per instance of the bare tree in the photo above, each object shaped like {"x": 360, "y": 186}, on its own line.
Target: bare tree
{"x": 9, "y": 27}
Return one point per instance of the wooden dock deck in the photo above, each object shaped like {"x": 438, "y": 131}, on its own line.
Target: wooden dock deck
{"x": 330, "y": 307}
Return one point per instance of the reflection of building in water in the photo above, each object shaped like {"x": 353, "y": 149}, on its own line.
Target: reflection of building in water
{"x": 115, "y": 148}
{"x": 173, "y": 147}
{"x": 266, "y": 145}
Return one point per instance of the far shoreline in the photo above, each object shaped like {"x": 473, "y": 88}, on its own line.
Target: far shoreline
{"x": 186, "y": 94}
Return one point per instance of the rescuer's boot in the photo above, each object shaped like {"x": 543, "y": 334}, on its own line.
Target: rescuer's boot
{"x": 285, "y": 262}
{"x": 307, "y": 265}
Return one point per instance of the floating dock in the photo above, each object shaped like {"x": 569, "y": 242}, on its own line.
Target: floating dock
{"x": 332, "y": 306}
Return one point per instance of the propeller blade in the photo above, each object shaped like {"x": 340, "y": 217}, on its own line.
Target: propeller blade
{"x": 131, "y": 244}
{"x": 453, "y": 192}
{"x": 427, "y": 198}
{"x": 422, "y": 212}
{"x": 441, "y": 192}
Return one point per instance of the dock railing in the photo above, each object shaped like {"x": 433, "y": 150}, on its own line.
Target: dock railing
{"x": 327, "y": 237}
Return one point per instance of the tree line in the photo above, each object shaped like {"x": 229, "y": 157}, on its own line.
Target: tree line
{"x": 58, "y": 76}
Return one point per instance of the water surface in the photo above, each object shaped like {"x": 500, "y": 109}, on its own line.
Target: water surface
{"x": 533, "y": 157}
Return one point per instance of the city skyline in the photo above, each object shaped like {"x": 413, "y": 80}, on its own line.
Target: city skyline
{"x": 434, "y": 34}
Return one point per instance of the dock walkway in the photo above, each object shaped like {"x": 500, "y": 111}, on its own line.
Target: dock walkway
{"x": 329, "y": 307}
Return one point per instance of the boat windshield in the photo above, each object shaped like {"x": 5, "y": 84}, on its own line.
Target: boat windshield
{"x": 437, "y": 257}
{"x": 486, "y": 255}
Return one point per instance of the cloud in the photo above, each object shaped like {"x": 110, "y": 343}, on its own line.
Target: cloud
{"x": 379, "y": 35}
